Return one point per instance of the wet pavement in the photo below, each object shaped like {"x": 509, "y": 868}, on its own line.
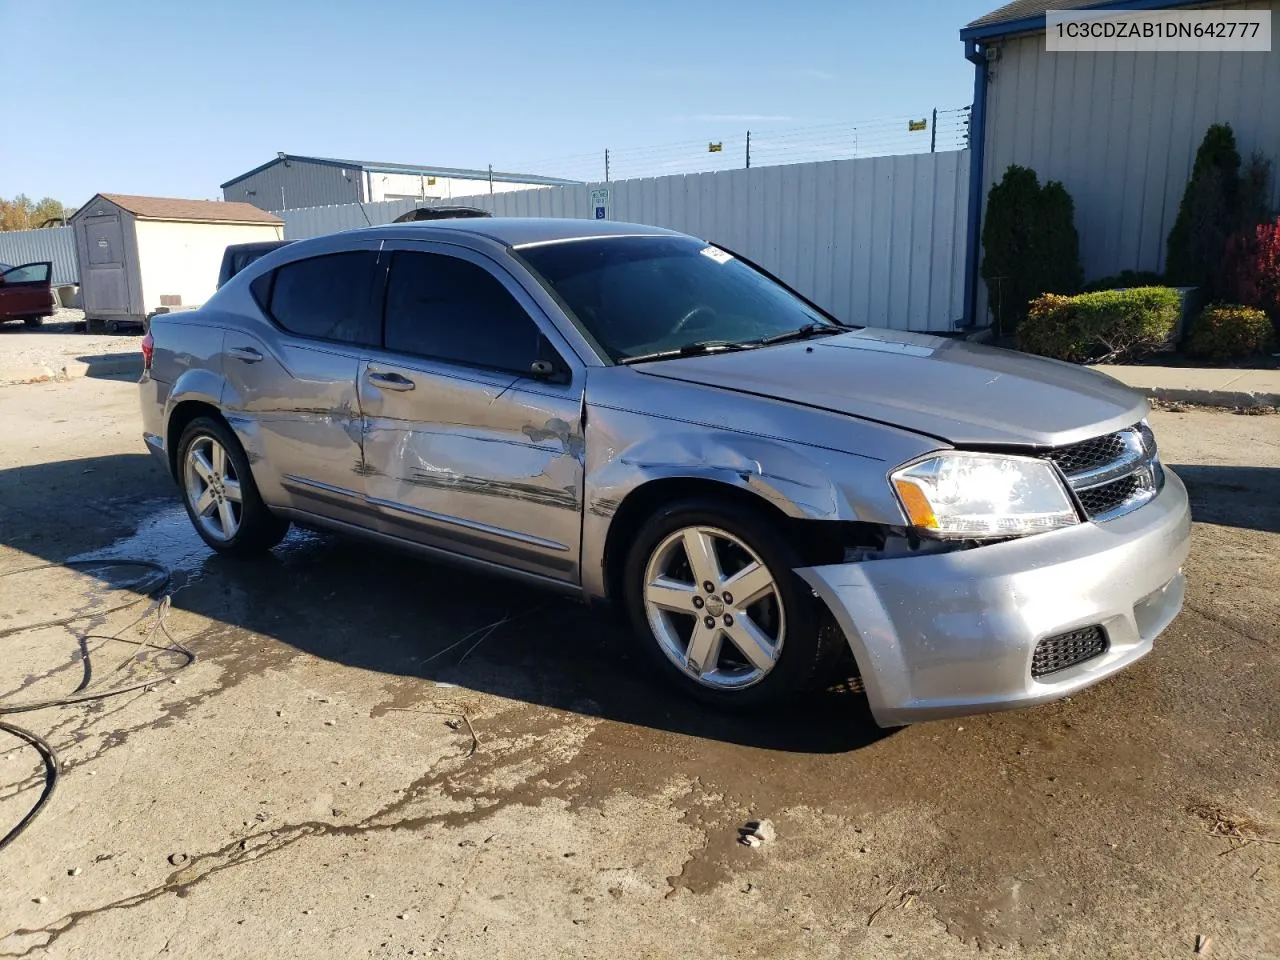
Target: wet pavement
{"x": 373, "y": 755}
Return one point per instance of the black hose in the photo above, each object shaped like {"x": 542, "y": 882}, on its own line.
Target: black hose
{"x": 53, "y": 772}
{"x": 147, "y": 587}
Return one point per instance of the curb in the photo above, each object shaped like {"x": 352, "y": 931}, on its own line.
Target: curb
{"x": 1211, "y": 398}
{"x": 72, "y": 370}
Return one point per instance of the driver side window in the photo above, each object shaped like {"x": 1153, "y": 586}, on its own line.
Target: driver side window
{"x": 30, "y": 273}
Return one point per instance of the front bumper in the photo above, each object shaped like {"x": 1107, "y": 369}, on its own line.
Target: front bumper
{"x": 949, "y": 634}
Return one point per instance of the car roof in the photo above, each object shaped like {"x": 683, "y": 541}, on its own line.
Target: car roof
{"x": 520, "y": 231}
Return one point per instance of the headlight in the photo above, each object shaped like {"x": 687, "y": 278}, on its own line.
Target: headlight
{"x": 978, "y": 495}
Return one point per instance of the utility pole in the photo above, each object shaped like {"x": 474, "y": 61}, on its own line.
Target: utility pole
{"x": 491, "y": 179}
{"x": 748, "y": 149}
{"x": 933, "y": 132}
{"x": 606, "y": 164}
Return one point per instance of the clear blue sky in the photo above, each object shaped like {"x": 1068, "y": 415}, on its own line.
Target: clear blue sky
{"x": 173, "y": 98}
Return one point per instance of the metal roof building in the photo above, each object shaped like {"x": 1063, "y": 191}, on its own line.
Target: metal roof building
{"x": 1119, "y": 129}
{"x": 289, "y": 182}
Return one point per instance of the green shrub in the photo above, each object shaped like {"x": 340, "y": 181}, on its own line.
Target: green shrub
{"x": 1109, "y": 325}
{"x": 1029, "y": 242}
{"x": 1125, "y": 280}
{"x": 1209, "y": 211}
{"x": 1227, "y": 331}
{"x": 1221, "y": 200}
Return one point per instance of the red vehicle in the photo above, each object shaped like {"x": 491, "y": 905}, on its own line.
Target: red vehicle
{"x": 26, "y": 294}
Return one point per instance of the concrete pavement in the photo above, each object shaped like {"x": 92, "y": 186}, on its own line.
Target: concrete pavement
{"x": 1210, "y": 386}
{"x": 55, "y": 351}
{"x": 311, "y": 787}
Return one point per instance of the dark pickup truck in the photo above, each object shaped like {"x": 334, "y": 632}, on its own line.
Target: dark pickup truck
{"x": 239, "y": 255}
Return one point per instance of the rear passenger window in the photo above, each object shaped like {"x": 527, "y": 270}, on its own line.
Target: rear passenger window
{"x": 450, "y": 309}
{"x": 330, "y": 297}
{"x": 261, "y": 289}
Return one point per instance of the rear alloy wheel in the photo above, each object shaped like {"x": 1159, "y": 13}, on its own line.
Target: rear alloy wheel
{"x": 713, "y": 596}
{"x": 219, "y": 493}
{"x": 213, "y": 489}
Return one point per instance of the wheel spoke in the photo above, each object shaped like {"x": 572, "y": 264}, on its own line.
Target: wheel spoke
{"x": 218, "y": 459}
{"x": 201, "y": 464}
{"x": 700, "y": 548}
{"x": 205, "y": 504}
{"x": 753, "y": 582}
{"x": 749, "y": 638}
{"x": 228, "y": 519}
{"x": 231, "y": 488}
{"x": 668, "y": 594}
{"x": 704, "y": 647}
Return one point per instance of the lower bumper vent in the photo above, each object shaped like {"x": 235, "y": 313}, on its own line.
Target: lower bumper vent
{"x": 1067, "y": 649}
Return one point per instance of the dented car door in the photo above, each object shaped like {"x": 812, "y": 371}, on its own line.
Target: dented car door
{"x": 291, "y": 384}
{"x": 466, "y": 447}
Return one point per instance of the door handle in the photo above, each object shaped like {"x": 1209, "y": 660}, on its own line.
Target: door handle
{"x": 390, "y": 381}
{"x": 247, "y": 354}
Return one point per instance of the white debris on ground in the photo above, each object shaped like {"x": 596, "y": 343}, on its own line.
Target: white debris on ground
{"x": 55, "y": 350}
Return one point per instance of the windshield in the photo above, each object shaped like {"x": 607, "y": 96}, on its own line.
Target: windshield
{"x": 639, "y": 296}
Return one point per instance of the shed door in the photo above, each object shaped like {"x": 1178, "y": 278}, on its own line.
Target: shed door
{"x": 106, "y": 283}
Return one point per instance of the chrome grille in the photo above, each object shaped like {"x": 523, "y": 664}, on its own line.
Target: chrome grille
{"x": 1066, "y": 650}
{"x": 1090, "y": 454}
{"x": 1113, "y": 474}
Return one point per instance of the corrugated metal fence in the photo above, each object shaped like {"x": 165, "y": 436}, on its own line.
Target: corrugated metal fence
{"x": 877, "y": 241}
{"x": 57, "y": 244}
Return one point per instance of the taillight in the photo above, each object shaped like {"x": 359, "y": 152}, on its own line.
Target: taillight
{"x": 148, "y": 350}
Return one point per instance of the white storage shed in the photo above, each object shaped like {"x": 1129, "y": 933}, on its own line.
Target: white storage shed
{"x": 138, "y": 254}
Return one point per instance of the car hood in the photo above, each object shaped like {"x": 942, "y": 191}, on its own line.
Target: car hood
{"x": 963, "y": 393}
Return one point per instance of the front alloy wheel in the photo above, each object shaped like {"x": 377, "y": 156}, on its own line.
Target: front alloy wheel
{"x": 714, "y": 608}
{"x": 712, "y": 594}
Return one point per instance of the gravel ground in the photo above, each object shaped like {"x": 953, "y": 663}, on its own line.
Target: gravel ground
{"x": 56, "y": 349}
{"x": 337, "y": 776}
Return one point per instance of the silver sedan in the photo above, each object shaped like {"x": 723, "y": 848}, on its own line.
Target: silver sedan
{"x": 628, "y": 414}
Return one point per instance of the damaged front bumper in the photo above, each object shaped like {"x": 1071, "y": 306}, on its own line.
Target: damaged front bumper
{"x": 949, "y": 634}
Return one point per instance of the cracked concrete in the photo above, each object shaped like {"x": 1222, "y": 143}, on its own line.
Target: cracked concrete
{"x": 316, "y": 766}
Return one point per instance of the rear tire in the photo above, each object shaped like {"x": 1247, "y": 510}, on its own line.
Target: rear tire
{"x": 219, "y": 493}
{"x": 32, "y": 323}
{"x": 736, "y": 652}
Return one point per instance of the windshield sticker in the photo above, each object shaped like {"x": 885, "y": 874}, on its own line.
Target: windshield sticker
{"x": 716, "y": 254}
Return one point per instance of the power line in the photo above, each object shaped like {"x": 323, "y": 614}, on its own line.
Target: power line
{"x": 933, "y": 129}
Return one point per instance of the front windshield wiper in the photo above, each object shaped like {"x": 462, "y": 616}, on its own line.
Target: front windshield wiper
{"x": 689, "y": 350}
{"x": 800, "y": 333}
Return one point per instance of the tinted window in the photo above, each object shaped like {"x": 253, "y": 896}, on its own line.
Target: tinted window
{"x": 330, "y": 297}
{"x": 440, "y": 306}
{"x": 640, "y": 295}
{"x": 261, "y": 289}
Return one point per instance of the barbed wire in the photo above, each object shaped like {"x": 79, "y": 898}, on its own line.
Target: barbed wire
{"x": 932, "y": 130}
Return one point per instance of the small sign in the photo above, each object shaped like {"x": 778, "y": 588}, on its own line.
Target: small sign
{"x": 915, "y": 126}
{"x": 102, "y": 242}
{"x": 600, "y": 198}
{"x": 715, "y": 147}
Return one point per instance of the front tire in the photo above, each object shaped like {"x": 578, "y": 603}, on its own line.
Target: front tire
{"x": 712, "y": 596}
{"x": 219, "y": 493}
{"x": 31, "y": 323}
